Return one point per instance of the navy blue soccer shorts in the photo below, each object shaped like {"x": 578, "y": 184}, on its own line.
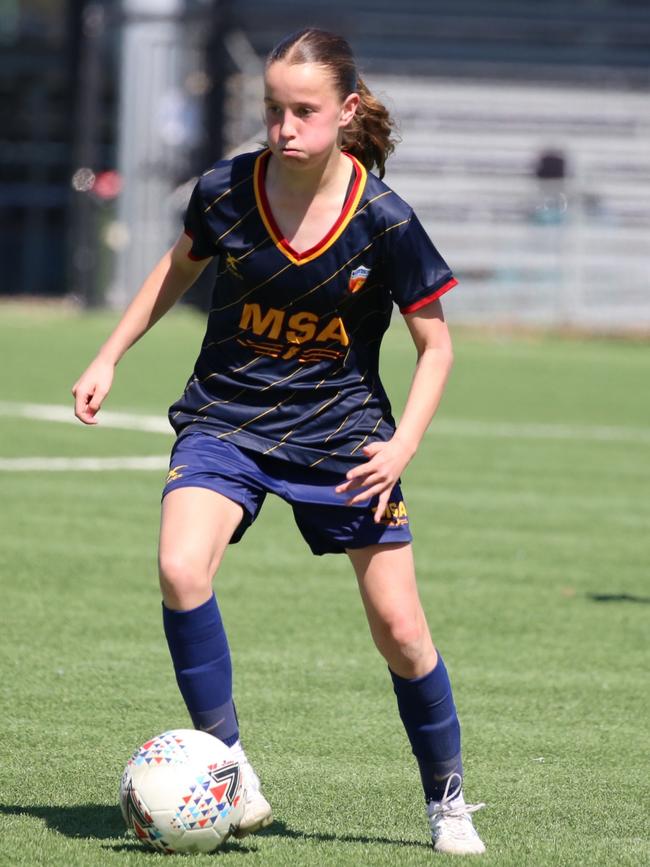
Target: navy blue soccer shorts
{"x": 327, "y": 524}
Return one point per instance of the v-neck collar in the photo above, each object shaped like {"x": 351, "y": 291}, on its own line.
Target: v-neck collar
{"x": 352, "y": 200}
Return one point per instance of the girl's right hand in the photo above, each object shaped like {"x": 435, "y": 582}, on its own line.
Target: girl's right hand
{"x": 91, "y": 388}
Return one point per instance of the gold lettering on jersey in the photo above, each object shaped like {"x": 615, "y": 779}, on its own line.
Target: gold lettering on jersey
{"x": 296, "y": 329}
{"x": 334, "y": 330}
{"x": 302, "y": 327}
{"x": 252, "y": 318}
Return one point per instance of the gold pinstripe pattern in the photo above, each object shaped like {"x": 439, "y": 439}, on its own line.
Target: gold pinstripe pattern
{"x": 220, "y": 402}
{"x": 313, "y": 415}
{"x": 280, "y": 443}
{"x": 226, "y": 192}
{"x": 357, "y": 447}
{"x": 248, "y": 364}
{"x": 343, "y": 423}
{"x": 215, "y": 375}
{"x": 260, "y": 415}
{"x": 320, "y": 460}
{"x": 289, "y": 377}
{"x": 284, "y": 378}
{"x": 269, "y": 240}
{"x": 245, "y": 295}
{"x": 234, "y": 225}
{"x": 345, "y": 264}
{"x": 189, "y": 385}
{"x": 309, "y": 291}
{"x": 339, "y": 368}
{"x": 337, "y": 309}
{"x": 324, "y": 405}
{"x": 252, "y": 250}
{"x": 340, "y": 427}
{"x": 345, "y": 420}
{"x": 370, "y": 201}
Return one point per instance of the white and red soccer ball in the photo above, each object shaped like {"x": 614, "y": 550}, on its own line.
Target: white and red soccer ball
{"x": 182, "y": 792}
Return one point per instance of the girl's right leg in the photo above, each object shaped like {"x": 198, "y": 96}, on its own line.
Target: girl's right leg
{"x": 197, "y": 525}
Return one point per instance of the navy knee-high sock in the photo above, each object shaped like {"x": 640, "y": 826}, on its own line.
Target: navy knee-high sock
{"x": 201, "y": 656}
{"x": 427, "y": 709}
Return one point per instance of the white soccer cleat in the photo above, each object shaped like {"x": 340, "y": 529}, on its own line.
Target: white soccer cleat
{"x": 452, "y": 831}
{"x": 257, "y": 810}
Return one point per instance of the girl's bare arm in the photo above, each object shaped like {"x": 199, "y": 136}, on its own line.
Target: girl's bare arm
{"x": 387, "y": 460}
{"x": 167, "y": 282}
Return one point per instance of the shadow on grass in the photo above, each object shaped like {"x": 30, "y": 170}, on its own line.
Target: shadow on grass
{"x": 134, "y": 846}
{"x": 102, "y": 822}
{"x": 92, "y": 822}
{"x": 89, "y": 821}
{"x": 618, "y": 597}
{"x": 280, "y": 829}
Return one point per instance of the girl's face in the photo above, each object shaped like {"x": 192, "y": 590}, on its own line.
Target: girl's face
{"x": 304, "y": 113}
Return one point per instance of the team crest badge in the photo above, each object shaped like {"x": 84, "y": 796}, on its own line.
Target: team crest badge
{"x": 357, "y": 278}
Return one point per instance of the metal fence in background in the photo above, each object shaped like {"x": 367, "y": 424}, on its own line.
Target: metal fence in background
{"x": 531, "y": 170}
{"x": 537, "y": 194}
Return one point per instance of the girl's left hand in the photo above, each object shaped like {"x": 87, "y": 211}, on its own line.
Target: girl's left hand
{"x": 378, "y": 475}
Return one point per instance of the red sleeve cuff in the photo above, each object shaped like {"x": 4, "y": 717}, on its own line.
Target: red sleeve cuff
{"x": 422, "y": 302}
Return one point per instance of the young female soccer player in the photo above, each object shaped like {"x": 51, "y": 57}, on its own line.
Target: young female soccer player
{"x": 285, "y": 396}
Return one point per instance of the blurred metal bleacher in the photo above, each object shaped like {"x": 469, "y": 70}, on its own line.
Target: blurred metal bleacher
{"x": 573, "y": 252}
{"x": 481, "y": 91}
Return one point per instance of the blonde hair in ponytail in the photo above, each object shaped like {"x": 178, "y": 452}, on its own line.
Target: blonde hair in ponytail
{"x": 369, "y": 137}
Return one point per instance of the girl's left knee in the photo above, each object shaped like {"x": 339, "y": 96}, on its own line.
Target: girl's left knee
{"x": 406, "y": 635}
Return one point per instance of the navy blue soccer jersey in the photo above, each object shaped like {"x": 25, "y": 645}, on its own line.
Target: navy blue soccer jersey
{"x": 289, "y": 365}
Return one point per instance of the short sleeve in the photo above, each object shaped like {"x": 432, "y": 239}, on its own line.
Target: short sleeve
{"x": 197, "y": 228}
{"x": 416, "y": 272}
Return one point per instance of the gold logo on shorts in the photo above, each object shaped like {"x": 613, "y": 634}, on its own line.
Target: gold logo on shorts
{"x": 173, "y": 474}
{"x": 395, "y": 515}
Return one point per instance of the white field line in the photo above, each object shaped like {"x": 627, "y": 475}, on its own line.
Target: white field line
{"x": 106, "y": 418}
{"x": 83, "y": 464}
{"x": 451, "y": 427}
{"x": 551, "y": 431}
{"x": 121, "y": 420}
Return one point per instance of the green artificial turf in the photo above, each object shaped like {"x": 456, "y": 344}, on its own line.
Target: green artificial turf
{"x": 530, "y": 508}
